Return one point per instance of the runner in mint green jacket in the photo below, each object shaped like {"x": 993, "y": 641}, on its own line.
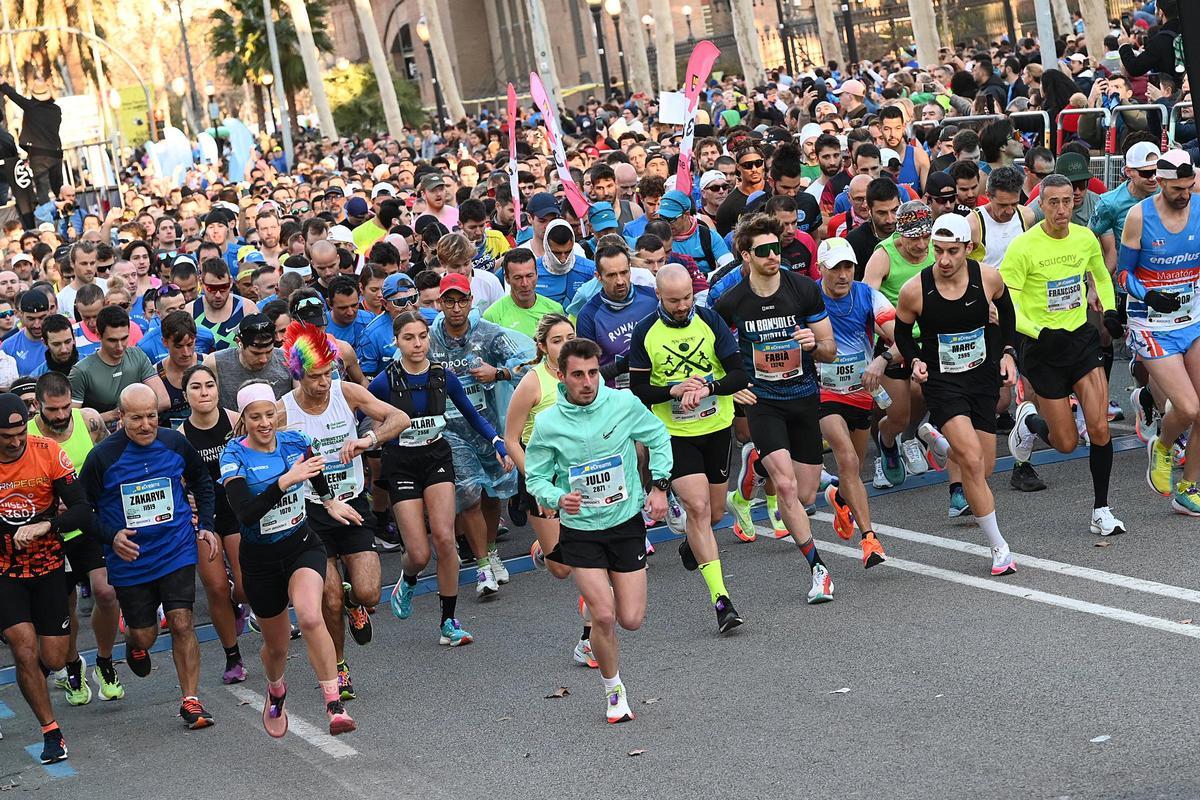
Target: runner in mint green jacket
{"x": 582, "y": 461}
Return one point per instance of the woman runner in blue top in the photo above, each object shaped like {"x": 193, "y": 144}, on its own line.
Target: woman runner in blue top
{"x": 263, "y": 472}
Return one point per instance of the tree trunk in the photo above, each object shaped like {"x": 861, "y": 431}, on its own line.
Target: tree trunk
{"x": 1062, "y": 18}
{"x": 312, "y": 66}
{"x": 260, "y": 106}
{"x": 1095, "y": 27}
{"x": 746, "y": 34}
{"x": 925, "y": 30}
{"x": 290, "y": 91}
{"x": 639, "y": 64}
{"x": 827, "y": 32}
{"x": 664, "y": 44}
{"x": 379, "y": 63}
{"x": 441, "y": 57}
{"x": 543, "y": 53}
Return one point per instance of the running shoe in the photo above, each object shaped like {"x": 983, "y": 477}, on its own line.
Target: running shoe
{"x": 274, "y": 716}
{"x": 162, "y": 619}
{"x": 1002, "y": 560}
{"x": 1115, "y": 412}
{"x": 252, "y": 622}
{"x": 880, "y": 480}
{"x": 339, "y": 721}
{"x": 516, "y": 511}
{"x": 74, "y": 683}
{"x": 1024, "y": 478}
{"x": 1186, "y": 499}
{"x": 748, "y": 481}
{"x": 781, "y": 531}
{"x": 241, "y": 614}
{"x": 727, "y": 616}
{"x": 616, "y": 706}
{"x": 937, "y": 448}
{"x": 872, "y": 551}
{"x": 536, "y": 555}
{"x": 498, "y": 568}
{"x": 583, "y": 654}
{"x": 1020, "y": 439}
{"x": 688, "y": 557}
{"x": 401, "y": 600}
{"x": 1143, "y": 416}
{"x": 827, "y": 480}
{"x": 649, "y": 547}
{"x": 194, "y": 715}
{"x": 345, "y": 685}
{"x": 676, "y": 516}
{"x": 1104, "y": 523}
{"x": 843, "y": 520}
{"x": 1158, "y": 466}
{"x": 138, "y": 661}
{"x": 893, "y": 464}
{"x": 916, "y": 461}
{"x": 1080, "y": 422}
{"x": 958, "y": 504}
{"x": 1004, "y": 422}
{"x": 105, "y": 674}
{"x": 1179, "y": 450}
{"x": 54, "y": 747}
{"x": 235, "y": 671}
{"x": 501, "y": 532}
{"x": 295, "y": 633}
{"x": 453, "y": 634}
{"x": 360, "y": 620}
{"x": 743, "y": 523}
{"x": 822, "y": 586}
{"x": 485, "y": 582}
{"x": 384, "y": 546}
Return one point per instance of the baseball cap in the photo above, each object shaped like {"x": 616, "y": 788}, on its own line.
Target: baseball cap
{"x": 454, "y": 282}
{"x": 256, "y": 330}
{"x": 889, "y": 158}
{"x": 1078, "y": 57}
{"x": 810, "y": 131}
{"x": 711, "y": 177}
{"x": 34, "y": 301}
{"x": 914, "y": 219}
{"x": 1073, "y": 167}
{"x": 940, "y": 186}
{"x": 357, "y": 207}
{"x": 602, "y": 217}
{"x": 219, "y": 216}
{"x": 1175, "y": 164}
{"x": 951, "y": 228}
{"x": 382, "y": 188}
{"x": 13, "y": 411}
{"x": 835, "y": 251}
{"x": 542, "y": 204}
{"x": 852, "y": 86}
{"x": 340, "y": 234}
{"x": 432, "y": 181}
{"x": 253, "y": 257}
{"x": 1142, "y": 155}
{"x": 310, "y": 310}
{"x": 394, "y": 283}
{"x": 19, "y": 257}
{"x": 674, "y": 204}
{"x": 948, "y": 133}
{"x": 298, "y": 264}
{"x": 335, "y": 191}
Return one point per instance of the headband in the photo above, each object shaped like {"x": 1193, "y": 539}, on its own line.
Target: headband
{"x": 252, "y": 394}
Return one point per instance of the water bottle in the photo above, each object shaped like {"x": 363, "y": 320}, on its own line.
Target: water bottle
{"x": 881, "y": 398}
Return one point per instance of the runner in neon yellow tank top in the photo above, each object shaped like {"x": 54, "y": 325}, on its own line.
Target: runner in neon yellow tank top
{"x": 76, "y": 430}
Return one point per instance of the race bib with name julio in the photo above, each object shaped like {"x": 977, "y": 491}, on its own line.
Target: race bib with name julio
{"x": 601, "y": 481}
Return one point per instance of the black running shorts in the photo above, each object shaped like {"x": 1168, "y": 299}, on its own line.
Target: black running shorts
{"x": 408, "y": 471}
{"x": 792, "y": 425}
{"x": 618, "y": 549}
{"x": 139, "y": 603}
{"x": 41, "y": 601}
{"x": 268, "y": 568}
{"x": 1055, "y": 361}
{"x": 341, "y": 539}
{"x": 702, "y": 455}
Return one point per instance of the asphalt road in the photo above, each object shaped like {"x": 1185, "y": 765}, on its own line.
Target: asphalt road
{"x": 926, "y": 678}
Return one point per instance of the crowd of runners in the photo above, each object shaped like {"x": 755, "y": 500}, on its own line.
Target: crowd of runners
{"x": 257, "y": 386}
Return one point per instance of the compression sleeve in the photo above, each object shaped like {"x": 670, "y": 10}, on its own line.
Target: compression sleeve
{"x": 905, "y": 342}
{"x": 249, "y": 507}
{"x": 1101, "y": 276}
{"x": 200, "y": 483}
{"x": 458, "y": 396}
{"x": 78, "y": 513}
{"x": 735, "y": 376}
{"x": 1127, "y": 261}
{"x": 639, "y": 384}
{"x": 618, "y": 366}
{"x": 1008, "y": 319}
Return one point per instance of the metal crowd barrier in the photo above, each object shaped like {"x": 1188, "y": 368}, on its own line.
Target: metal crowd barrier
{"x": 1043, "y": 116}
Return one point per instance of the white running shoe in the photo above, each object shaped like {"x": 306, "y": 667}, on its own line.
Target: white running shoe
{"x": 880, "y": 482}
{"x": 936, "y": 444}
{"x": 1002, "y": 560}
{"x": 485, "y": 582}
{"x": 1104, "y": 523}
{"x": 1020, "y": 439}
{"x": 498, "y": 568}
{"x": 822, "y": 586}
{"x": 616, "y": 705}
{"x": 1141, "y": 420}
{"x": 915, "y": 462}
{"x": 583, "y": 654}
{"x": 676, "y": 516}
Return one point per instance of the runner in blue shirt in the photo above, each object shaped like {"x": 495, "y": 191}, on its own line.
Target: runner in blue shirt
{"x": 561, "y": 271}
{"x": 609, "y": 318}
{"x": 691, "y": 237}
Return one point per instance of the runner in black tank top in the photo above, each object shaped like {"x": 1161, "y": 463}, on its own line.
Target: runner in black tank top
{"x": 960, "y": 364}
{"x": 210, "y": 443}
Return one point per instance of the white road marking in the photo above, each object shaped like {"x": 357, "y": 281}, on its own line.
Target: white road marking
{"x": 296, "y": 725}
{"x": 1022, "y": 592}
{"x": 1061, "y": 567}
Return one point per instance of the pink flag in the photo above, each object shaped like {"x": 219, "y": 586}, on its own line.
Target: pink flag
{"x": 512, "y": 155}
{"x": 550, "y": 117}
{"x": 699, "y": 65}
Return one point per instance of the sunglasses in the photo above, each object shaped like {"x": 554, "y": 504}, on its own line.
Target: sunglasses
{"x": 6, "y": 314}
{"x": 1152, "y": 172}
{"x": 403, "y": 300}
{"x": 1080, "y": 185}
{"x": 460, "y": 303}
{"x": 767, "y": 249}
{"x": 755, "y": 164}
{"x": 167, "y": 289}
{"x": 217, "y": 287}
{"x": 124, "y": 242}
{"x": 1041, "y": 175}
{"x": 721, "y": 187}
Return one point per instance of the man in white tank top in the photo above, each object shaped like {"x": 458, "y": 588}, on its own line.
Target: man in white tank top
{"x": 995, "y": 225}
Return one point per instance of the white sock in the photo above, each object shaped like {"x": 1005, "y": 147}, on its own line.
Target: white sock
{"x": 612, "y": 683}
{"x": 991, "y": 529}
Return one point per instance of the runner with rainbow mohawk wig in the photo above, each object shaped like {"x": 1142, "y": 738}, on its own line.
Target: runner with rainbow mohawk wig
{"x": 306, "y": 349}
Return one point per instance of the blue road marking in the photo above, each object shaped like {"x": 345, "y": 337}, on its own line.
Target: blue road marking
{"x": 60, "y": 770}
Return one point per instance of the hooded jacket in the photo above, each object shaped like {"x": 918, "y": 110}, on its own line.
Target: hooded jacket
{"x": 559, "y": 280}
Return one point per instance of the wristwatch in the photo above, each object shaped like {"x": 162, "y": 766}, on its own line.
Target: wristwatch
{"x": 662, "y": 484}
{"x": 886, "y": 355}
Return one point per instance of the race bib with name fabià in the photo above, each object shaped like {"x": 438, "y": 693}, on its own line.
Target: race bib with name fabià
{"x": 844, "y": 375}
{"x": 959, "y": 352}
{"x": 148, "y": 502}
{"x": 1065, "y": 294}
{"x": 601, "y": 482}
{"x": 777, "y": 361}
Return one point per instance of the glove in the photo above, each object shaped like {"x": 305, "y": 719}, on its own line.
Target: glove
{"x": 1112, "y": 324}
{"x": 1162, "y": 302}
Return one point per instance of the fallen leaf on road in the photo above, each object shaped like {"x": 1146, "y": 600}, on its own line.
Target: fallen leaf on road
{"x": 244, "y": 703}
{"x": 560, "y": 692}
{"x": 504, "y": 719}
{"x": 649, "y": 701}
{"x": 936, "y": 696}
{"x": 636, "y": 752}
{"x": 843, "y": 690}
{"x": 1101, "y": 739}
{"x": 1103, "y": 544}
{"x": 1185, "y": 622}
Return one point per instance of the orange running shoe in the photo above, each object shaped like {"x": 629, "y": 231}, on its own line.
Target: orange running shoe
{"x": 843, "y": 520}
{"x": 872, "y": 551}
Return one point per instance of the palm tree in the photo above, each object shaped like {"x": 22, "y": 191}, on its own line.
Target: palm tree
{"x": 242, "y": 36}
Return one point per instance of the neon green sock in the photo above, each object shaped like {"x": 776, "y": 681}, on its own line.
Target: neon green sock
{"x": 711, "y": 570}
{"x": 480, "y": 563}
{"x": 772, "y": 503}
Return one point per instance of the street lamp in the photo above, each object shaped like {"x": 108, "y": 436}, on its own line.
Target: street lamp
{"x": 423, "y": 35}
{"x": 687, "y": 16}
{"x": 179, "y": 86}
{"x": 613, "y": 7}
{"x": 785, "y": 38}
{"x": 848, "y": 24}
{"x": 594, "y": 7}
{"x": 268, "y": 80}
{"x": 648, "y": 21}
{"x": 214, "y": 111}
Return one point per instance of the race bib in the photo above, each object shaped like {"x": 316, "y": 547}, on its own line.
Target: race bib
{"x": 621, "y": 381}
{"x": 476, "y": 393}
{"x": 340, "y": 477}
{"x": 959, "y": 352}
{"x": 844, "y": 375}
{"x": 706, "y": 408}
{"x": 423, "y": 431}
{"x": 149, "y": 502}
{"x": 287, "y": 514}
{"x": 601, "y": 481}
{"x": 1183, "y": 315}
{"x": 1065, "y": 294}
{"x": 777, "y": 361}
